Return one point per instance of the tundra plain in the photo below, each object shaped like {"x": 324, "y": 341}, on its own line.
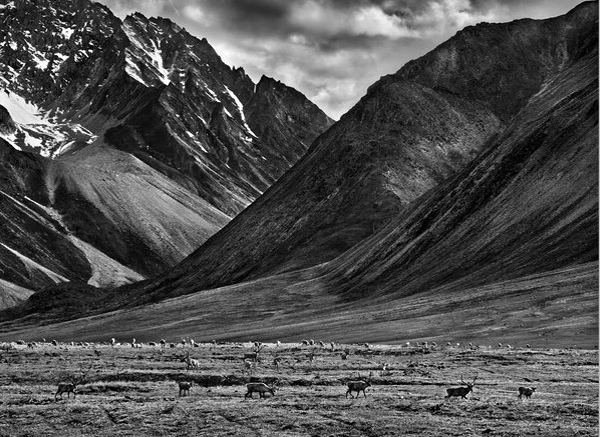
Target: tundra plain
{"x": 134, "y": 390}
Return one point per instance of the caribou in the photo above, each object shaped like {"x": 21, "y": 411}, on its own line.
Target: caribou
{"x": 248, "y": 366}
{"x": 70, "y": 387}
{"x": 65, "y": 387}
{"x": 461, "y": 391}
{"x": 191, "y": 362}
{"x": 184, "y": 388}
{"x": 259, "y": 387}
{"x": 526, "y": 391}
{"x": 357, "y": 386}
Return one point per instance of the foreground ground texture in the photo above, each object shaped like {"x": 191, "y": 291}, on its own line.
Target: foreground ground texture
{"x": 134, "y": 391}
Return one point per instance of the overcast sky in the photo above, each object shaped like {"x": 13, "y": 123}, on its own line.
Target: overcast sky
{"x": 331, "y": 50}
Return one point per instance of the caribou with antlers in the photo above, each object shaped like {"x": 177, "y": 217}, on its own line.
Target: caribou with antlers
{"x": 461, "y": 391}
{"x": 358, "y": 386}
{"x": 259, "y": 387}
{"x": 191, "y": 362}
{"x": 71, "y": 386}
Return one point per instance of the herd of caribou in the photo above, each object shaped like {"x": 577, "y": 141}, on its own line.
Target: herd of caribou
{"x": 262, "y": 389}
{"x": 356, "y": 386}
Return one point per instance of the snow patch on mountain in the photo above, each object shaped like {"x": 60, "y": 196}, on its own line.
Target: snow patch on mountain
{"x": 240, "y": 108}
{"x": 21, "y": 111}
{"x": 144, "y": 57}
{"x": 36, "y": 131}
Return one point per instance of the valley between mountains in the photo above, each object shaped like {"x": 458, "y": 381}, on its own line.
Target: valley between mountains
{"x": 456, "y": 201}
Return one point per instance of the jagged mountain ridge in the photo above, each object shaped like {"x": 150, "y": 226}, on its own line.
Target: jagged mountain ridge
{"x": 507, "y": 250}
{"x": 147, "y": 129}
{"x": 410, "y": 132}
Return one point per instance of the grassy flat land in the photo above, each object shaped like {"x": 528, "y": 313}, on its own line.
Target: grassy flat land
{"x": 134, "y": 391}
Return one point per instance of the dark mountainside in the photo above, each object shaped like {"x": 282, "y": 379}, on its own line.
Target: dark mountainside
{"x": 529, "y": 205}
{"x": 503, "y": 250}
{"x": 136, "y": 140}
{"x": 410, "y": 132}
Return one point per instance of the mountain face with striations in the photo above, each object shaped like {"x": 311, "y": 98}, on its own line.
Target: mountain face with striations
{"x": 457, "y": 201}
{"x": 413, "y": 130}
{"x": 126, "y": 144}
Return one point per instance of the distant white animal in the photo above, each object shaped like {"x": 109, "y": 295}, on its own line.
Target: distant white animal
{"x": 248, "y": 366}
{"x": 191, "y": 362}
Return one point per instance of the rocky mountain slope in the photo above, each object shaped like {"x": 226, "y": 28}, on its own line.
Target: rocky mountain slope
{"x": 506, "y": 250}
{"x": 146, "y": 142}
{"x": 412, "y": 130}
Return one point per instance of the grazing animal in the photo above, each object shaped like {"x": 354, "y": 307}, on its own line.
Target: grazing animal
{"x": 191, "y": 362}
{"x": 65, "y": 387}
{"x": 54, "y": 343}
{"x": 259, "y": 387}
{"x": 305, "y": 343}
{"x": 113, "y": 341}
{"x": 461, "y": 391}
{"x": 357, "y": 386}
{"x": 526, "y": 391}
{"x": 278, "y": 343}
{"x": 248, "y": 366}
{"x": 70, "y": 387}
{"x": 163, "y": 342}
{"x": 251, "y": 356}
{"x": 311, "y": 342}
{"x": 184, "y": 388}
{"x": 276, "y": 362}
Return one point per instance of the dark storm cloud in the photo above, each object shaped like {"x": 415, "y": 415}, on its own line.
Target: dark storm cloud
{"x": 331, "y": 50}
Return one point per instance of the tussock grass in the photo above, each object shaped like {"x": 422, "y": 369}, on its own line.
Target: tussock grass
{"x": 135, "y": 392}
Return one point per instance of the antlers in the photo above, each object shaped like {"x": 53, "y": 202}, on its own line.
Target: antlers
{"x": 469, "y": 384}
{"x": 82, "y": 375}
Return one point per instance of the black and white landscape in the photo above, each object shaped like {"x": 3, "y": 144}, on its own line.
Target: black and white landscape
{"x": 149, "y": 190}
